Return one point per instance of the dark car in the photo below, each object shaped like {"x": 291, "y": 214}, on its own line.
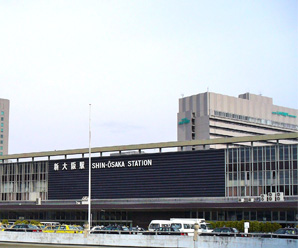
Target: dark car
{"x": 283, "y": 233}
{"x": 24, "y": 228}
{"x": 287, "y": 231}
{"x": 223, "y": 231}
{"x": 168, "y": 231}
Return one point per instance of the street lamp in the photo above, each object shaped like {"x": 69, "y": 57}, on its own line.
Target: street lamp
{"x": 89, "y": 186}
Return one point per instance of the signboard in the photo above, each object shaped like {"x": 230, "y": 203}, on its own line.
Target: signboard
{"x": 285, "y": 114}
{"x": 171, "y": 174}
{"x": 184, "y": 121}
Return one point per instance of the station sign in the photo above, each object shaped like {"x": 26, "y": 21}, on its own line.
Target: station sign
{"x": 285, "y": 114}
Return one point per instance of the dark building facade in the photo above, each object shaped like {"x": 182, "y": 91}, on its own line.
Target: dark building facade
{"x": 161, "y": 175}
{"x": 251, "y": 183}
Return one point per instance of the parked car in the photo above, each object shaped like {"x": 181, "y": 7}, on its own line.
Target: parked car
{"x": 223, "y": 231}
{"x": 288, "y": 231}
{"x": 169, "y": 231}
{"x": 23, "y": 228}
{"x": 62, "y": 229}
{"x": 111, "y": 229}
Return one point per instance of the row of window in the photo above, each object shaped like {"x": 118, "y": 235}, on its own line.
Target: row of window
{"x": 255, "y": 120}
{"x": 263, "y": 154}
{"x": 125, "y": 217}
{"x": 258, "y": 170}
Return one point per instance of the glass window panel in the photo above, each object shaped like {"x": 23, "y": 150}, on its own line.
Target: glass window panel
{"x": 260, "y": 154}
{"x": 286, "y": 153}
{"x": 295, "y": 152}
{"x": 255, "y": 154}
{"x": 282, "y": 215}
{"x": 295, "y": 180}
{"x": 290, "y": 215}
{"x": 273, "y": 153}
{"x": 268, "y": 153}
{"x": 281, "y": 153}
{"x": 287, "y": 176}
{"x": 275, "y": 215}
{"x": 253, "y": 215}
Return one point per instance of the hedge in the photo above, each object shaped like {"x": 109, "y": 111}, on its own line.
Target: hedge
{"x": 254, "y": 226}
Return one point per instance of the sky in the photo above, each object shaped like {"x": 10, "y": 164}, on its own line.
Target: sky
{"x": 132, "y": 60}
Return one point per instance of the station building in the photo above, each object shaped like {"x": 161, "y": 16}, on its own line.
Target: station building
{"x": 134, "y": 184}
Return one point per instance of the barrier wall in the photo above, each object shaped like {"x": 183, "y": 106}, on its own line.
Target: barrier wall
{"x": 154, "y": 241}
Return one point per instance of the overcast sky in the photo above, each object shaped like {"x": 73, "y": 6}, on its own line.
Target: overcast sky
{"x": 132, "y": 61}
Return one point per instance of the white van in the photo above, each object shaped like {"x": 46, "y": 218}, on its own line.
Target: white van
{"x": 205, "y": 227}
{"x": 190, "y": 219}
{"x": 183, "y": 224}
{"x": 156, "y": 224}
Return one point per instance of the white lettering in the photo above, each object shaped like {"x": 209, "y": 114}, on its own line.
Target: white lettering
{"x": 98, "y": 165}
{"x": 104, "y": 165}
{"x": 64, "y": 166}
{"x": 73, "y": 166}
{"x": 82, "y": 165}
{"x": 136, "y": 163}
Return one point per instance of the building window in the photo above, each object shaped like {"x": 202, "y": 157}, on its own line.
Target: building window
{"x": 1, "y": 153}
{"x": 2, "y": 124}
{"x": 2, "y": 112}
{"x": 1, "y": 130}
{"x": 2, "y": 118}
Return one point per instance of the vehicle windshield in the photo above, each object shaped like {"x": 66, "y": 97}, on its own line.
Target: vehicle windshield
{"x": 154, "y": 226}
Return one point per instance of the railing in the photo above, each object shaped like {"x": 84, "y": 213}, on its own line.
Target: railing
{"x": 243, "y": 235}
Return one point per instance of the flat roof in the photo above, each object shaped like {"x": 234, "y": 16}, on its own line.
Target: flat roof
{"x": 173, "y": 144}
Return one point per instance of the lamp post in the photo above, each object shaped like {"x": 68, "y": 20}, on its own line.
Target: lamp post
{"x": 89, "y": 186}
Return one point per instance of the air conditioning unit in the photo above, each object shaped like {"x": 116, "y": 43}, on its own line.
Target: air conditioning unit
{"x": 241, "y": 200}
{"x": 271, "y": 196}
{"x": 251, "y": 199}
{"x": 279, "y": 196}
{"x": 263, "y": 197}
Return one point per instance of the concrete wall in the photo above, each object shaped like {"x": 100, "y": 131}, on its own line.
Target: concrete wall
{"x": 168, "y": 241}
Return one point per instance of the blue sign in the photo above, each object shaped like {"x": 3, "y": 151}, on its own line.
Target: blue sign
{"x": 184, "y": 121}
{"x": 283, "y": 114}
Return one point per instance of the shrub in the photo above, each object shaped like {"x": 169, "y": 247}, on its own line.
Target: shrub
{"x": 254, "y": 226}
{"x": 5, "y": 222}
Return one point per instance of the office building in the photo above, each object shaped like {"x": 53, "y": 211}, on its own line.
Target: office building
{"x": 209, "y": 115}
{"x": 4, "y": 126}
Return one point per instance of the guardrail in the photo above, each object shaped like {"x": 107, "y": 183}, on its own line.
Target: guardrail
{"x": 249, "y": 235}
{"x": 243, "y": 235}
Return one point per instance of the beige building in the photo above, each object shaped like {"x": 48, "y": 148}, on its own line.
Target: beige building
{"x": 209, "y": 115}
{"x": 4, "y": 126}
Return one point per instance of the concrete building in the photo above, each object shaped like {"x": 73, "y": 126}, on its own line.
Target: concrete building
{"x": 4, "y": 126}
{"x": 242, "y": 183}
{"x": 209, "y": 115}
